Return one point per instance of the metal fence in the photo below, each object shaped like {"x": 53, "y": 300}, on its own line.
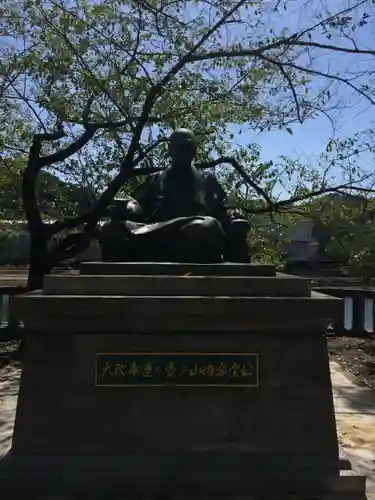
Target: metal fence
{"x": 358, "y": 316}
{"x": 7, "y": 319}
{"x": 10, "y": 329}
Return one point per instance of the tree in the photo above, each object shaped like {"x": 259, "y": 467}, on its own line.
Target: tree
{"x": 345, "y": 231}
{"x": 91, "y": 89}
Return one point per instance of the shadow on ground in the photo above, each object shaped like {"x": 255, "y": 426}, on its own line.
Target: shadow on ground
{"x": 9, "y": 384}
{"x": 359, "y": 399}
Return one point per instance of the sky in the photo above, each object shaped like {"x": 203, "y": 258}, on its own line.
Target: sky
{"x": 310, "y": 138}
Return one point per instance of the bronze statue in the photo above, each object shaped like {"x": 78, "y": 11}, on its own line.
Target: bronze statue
{"x": 177, "y": 215}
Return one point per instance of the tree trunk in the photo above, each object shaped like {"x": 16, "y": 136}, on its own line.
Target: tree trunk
{"x": 38, "y": 257}
{"x": 39, "y": 260}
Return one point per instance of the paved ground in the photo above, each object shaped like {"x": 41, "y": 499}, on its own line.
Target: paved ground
{"x": 9, "y": 380}
{"x": 354, "y": 406}
{"x": 355, "y": 420}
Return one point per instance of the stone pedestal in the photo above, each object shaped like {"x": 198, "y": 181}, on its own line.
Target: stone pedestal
{"x": 181, "y": 380}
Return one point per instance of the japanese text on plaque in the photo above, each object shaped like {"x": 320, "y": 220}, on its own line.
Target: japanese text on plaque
{"x": 177, "y": 369}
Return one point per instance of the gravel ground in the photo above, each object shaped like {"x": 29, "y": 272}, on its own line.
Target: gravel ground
{"x": 355, "y": 354}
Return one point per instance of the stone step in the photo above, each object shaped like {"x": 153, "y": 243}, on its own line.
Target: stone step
{"x": 176, "y": 269}
{"x": 192, "y": 475}
{"x": 240, "y": 286}
{"x": 114, "y": 313}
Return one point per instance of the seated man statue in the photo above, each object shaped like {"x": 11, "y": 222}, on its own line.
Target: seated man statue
{"x": 176, "y": 215}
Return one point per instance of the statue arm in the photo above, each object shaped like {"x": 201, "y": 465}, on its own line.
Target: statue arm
{"x": 219, "y": 203}
{"x": 134, "y": 206}
{"x": 144, "y": 195}
{"x": 140, "y": 192}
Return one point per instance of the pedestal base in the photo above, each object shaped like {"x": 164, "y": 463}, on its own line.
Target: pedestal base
{"x": 188, "y": 476}
{"x": 155, "y": 400}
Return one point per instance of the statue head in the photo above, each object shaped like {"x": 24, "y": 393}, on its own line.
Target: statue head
{"x": 182, "y": 146}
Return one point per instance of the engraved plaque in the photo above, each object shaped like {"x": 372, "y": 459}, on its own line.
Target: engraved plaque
{"x": 177, "y": 369}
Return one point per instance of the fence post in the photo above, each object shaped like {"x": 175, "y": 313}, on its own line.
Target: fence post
{"x": 341, "y": 323}
{"x": 5, "y": 308}
{"x": 369, "y": 314}
{"x": 348, "y": 314}
{"x": 358, "y": 325}
{"x": 8, "y": 321}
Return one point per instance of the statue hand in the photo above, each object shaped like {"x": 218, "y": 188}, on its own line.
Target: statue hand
{"x": 128, "y": 209}
{"x": 134, "y": 210}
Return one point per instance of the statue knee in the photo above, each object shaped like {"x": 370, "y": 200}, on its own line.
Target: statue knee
{"x": 212, "y": 225}
{"x": 111, "y": 237}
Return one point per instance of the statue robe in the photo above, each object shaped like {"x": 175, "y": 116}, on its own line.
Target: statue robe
{"x": 169, "y": 200}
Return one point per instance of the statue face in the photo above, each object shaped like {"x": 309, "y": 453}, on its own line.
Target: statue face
{"x": 182, "y": 146}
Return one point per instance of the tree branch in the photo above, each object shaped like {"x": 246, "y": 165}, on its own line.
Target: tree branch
{"x": 81, "y": 61}
{"x": 290, "y": 83}
{"x": 91, "y": 129}
{"x": 330, "y": 77}
{"x": 239, "y": 168}
{"x": 335, "y": 48}
{"x": 128, "y": 163}
{"x": 69, "y": 150}
{"x": 259, "y": 52}
{"x": 27, "y": 102}
{"x": 280, "y": 205}
{"x": 77, "y": 221}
